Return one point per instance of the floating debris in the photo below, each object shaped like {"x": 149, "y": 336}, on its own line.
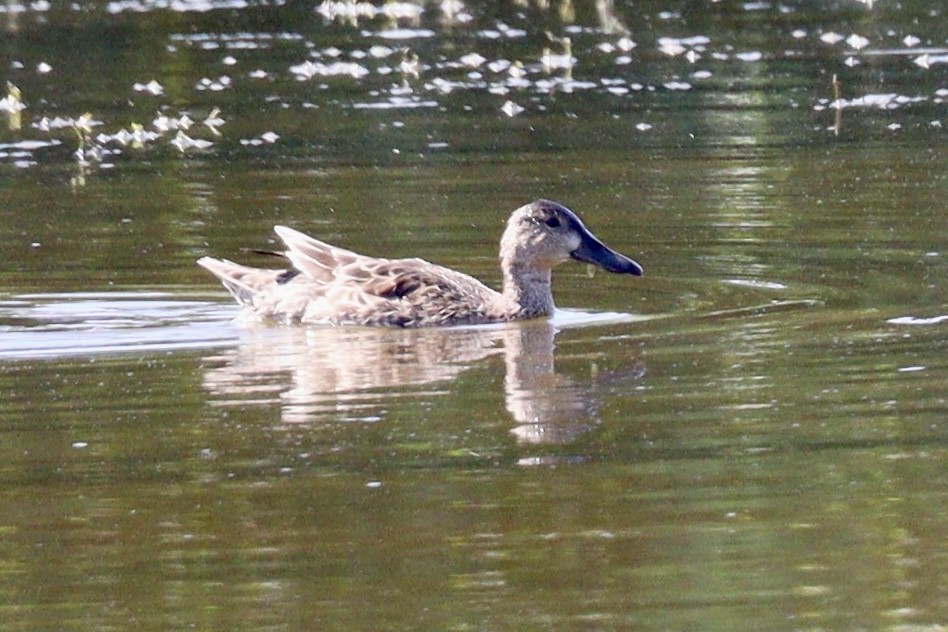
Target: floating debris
{"x": 403, "y": 34}
{"x": 881, "y": 101}
{"x": 671, "y": 48}
{"x": 917, "y": 320}
{"x": 137, "y": 137}
{"x": 352, "y": 11}
{"x": 499, "y": 65}
{"x": 674, "y": 46}
{"x": 152, "y": 87}
{"x": 473, "y": 60}
{"x": 511, "y": 109}
{"x": 82, "y": 123}
{"x": 178, "y": 6}
{"x": 381, "y": 53}
{"x": 267, "y": 138}
{"x": 927, "y": 60}
{"x": 308, "y": 70}
{"x": 503, "y": 31}
{"x": 625, "y": 44}
{"x": 213, "y": 121}
{"x": 750, "y": 56}
{"x": 23, "y": 147}
{"x": 857, "y": 42}
{"x": 214, "y": 85}
{"x": 167, "y": 124}
{"x": 234, "y": 41}
{"x": 182, "y": 142}
{"x": 396, "y": 102}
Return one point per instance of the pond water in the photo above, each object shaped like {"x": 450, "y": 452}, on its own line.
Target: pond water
{"x": 751, "y": 435}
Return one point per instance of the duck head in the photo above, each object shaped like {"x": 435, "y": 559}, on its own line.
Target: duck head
{"x": 544, "y": 233}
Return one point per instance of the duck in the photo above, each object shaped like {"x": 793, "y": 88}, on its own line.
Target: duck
{"x": 328, "y": 285}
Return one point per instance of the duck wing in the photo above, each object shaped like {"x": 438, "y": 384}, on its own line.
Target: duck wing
{"x": 405, "y": 293}
{"x": 315, "y": 259}
{"x": 369, "y": 290}
{"x": 333, "y": 286}
{"x": 385, "y": 278}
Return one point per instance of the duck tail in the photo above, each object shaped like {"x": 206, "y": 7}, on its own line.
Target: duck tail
{"x": 243, "y": 282}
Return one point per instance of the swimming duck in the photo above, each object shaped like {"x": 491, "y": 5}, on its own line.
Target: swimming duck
{"x": 326, "y": 285}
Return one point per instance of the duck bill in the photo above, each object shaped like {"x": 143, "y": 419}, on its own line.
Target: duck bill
{"x": 593, "y": 251}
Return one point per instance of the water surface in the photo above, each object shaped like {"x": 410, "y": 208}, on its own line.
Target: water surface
{"x": 753, "y": 432}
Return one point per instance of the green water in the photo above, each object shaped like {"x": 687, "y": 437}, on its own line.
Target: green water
{"x": 752, "y": 436}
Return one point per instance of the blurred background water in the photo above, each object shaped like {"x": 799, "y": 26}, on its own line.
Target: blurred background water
{"x": 752, "y": 435}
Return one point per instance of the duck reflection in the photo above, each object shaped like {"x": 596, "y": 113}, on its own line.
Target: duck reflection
{"x": 353, "y": 373}
{"x": 547, "y": 407}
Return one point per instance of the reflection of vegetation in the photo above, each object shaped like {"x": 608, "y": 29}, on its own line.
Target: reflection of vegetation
{"x": 87, "y": 152}
{"x": 12, "y": 105}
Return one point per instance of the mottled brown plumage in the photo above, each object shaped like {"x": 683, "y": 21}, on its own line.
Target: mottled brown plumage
{"x": 327, "y": 285}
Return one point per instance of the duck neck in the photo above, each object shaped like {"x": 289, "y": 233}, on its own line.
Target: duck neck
{"x": 529, "y": 290}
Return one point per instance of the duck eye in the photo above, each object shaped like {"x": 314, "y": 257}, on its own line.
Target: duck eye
{"x": 552, "y": 222}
